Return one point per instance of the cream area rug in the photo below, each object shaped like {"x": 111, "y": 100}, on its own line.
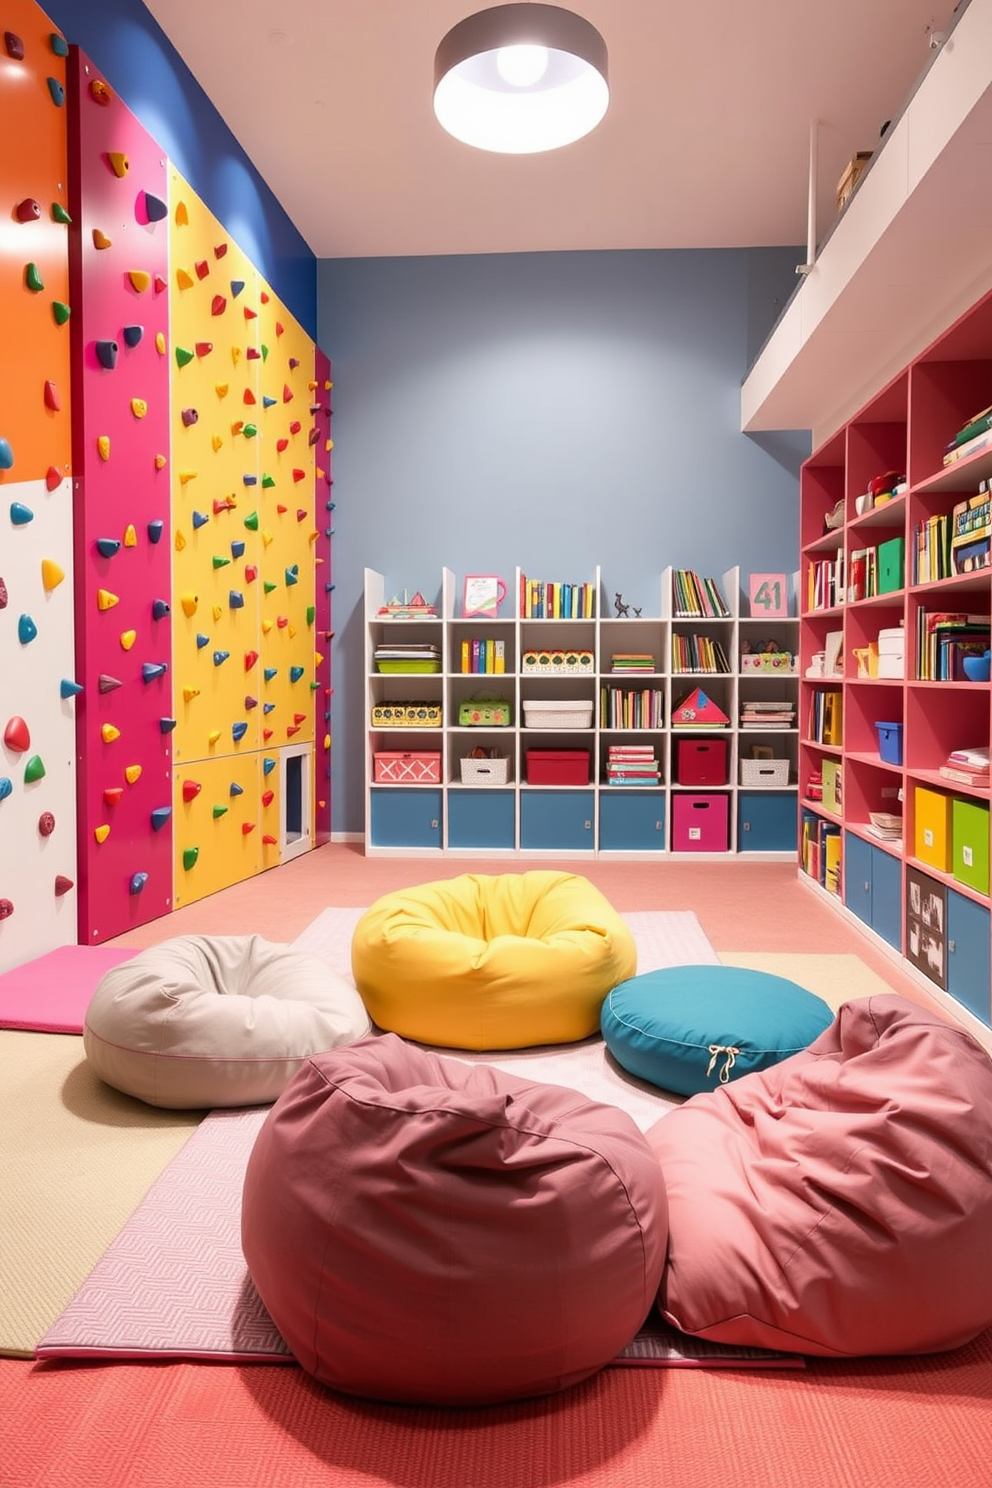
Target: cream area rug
{"x": 837, "y": 979}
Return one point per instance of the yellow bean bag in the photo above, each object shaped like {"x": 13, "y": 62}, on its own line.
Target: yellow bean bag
{"x": 492, "y": 962}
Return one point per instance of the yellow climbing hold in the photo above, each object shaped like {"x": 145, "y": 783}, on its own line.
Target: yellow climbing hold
{"x": 184, "y": 279}
{"x": 103, "y": 446}
{"x": 160, "y": 462}
{"x": 217, "y": 611}
{"x": 128, "y": 638}
{"x": 105, "y": 600}
{"x": 182, "y": 214}
{"x": 108, "y": 733}
{"x": 140, "y": 279}
{"x": 130, "y": 536}
{"x": 222, "y": 389}
{"x": 139, "y": 407}
{"x": 132, "y": 774}
{"x": 185, "y": 476}
{"x": 213, "y": 736}
{"x": 235, "y": 354}
{"x": 266, "y": 626}
{"x": 266, "y": 537}
{"x": 119, "y": 163}
{"x": 216, "y": 441}
{"x": 180, "y": 541}
{"x": 189, "y": 603}
{"x": 101, "y": 833}
{"x": 51, "y": 574}
{"x": 189, "y": 693}
{"x": 160, "y": 342}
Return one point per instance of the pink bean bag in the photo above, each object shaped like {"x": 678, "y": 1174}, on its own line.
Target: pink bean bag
{"x": 423, "y": 1230}
{"x": 838, "y": 1203}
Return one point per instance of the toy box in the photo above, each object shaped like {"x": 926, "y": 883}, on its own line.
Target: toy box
{"x": 406, "y": 715}
{"x": 557, "y": 766}
{"x": 890, "y": 742}
{"x": 481, "y": 712}
{"x": 702, "y": 761}
{"x": 700, "y": 823}
{"x": 410, "y": 767}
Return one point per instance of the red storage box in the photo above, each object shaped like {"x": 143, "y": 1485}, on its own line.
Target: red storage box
{"x": 700, "y": 823}
{"x": 413, "y": 767}
{"x": 702, "y": 762}
{"x": 557, "y": 767}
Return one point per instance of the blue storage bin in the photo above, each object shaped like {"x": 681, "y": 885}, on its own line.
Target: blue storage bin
{"x": 890, "y": 742}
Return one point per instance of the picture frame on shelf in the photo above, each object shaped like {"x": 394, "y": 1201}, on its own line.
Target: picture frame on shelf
{"x": 482, "y": 595}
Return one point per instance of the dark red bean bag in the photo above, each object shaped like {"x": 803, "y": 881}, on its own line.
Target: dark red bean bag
{"x": 423, "y": 1230}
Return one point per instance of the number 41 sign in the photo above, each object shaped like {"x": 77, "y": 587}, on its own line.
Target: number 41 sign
{"x": 768, "y": 596}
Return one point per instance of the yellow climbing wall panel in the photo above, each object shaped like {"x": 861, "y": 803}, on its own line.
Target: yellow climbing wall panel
{"x": 217, "y": 826}
{"x": 215, "y": 485}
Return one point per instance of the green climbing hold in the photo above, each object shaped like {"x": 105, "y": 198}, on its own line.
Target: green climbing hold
{"x": 265, "y": 353}
{"x": 34, "y": 770}
{"x": 61, "y": 311}
{"x": 311, "y": 614}
{"x": 59, "y": 214}
{"x": 268, "y": 585}
{"x": 59, "y": 44}
{"x": 183, "y": 356}
{"x": 251, "y": 521}
{"x": 32, "y": 278}
{"x": 190, "y": 855}
{"x": 250, "y": 430}
{"x": 268, "y": 481}
{"x": 221, "y": 562}
{"x": 219, "y": 811}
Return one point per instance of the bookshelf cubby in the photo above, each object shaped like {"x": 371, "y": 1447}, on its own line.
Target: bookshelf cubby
{"x": 907, "y": 429}
{"x": 610, "y": 786}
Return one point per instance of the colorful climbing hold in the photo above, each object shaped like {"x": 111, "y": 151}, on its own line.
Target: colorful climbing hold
{"x": 268, "y": 765}
{"x": 155, "y": 207}
{"x": 99, "y": 92}
{"x": 152, "y": 669}
{"x": 53, "y": 478}
{"x": 14, "y": 46}
{"x": 62, "y": 884}
{"x": 184, "y": 356}
{"x": 100, "y": 240}
{"x": 140, "y": 279}
{"x": 189, "y": 693}
{"x": 128, "y": 638}
{"x": 236, "y": 600}
{"x": 52, "y": 399}
{"x": 6, "y": 787}
{"x": 105, "y": 600}
{"x": 155, "y": 527}
{"x": 132, "y": 774}
{"x": 34, "y": 770}
{"x": 139, "y": 407}
{"x": 107, "y": 547}
{"x": 220, "y": 657}
{"x": 103, "y": 446}
{"x": 106, "y": 354}
{"x": 238, "y": 731}
{"x": 109, "y": 733}
{"x": 27, "y": 631}
{"x": 107, "y": 683}
{"x": 17, "y": 735}
{"x": 137, "y": 883}
{"x": 113, "y": 795}
{"x": 160, "y": 608}
{"x": 130, "y": 536}
{"x": 51, "y": 574}
{"x": 69, "y": 688}
{"x": 166, "y": 725}
{"x": 32, "y": 278}
{"x": 20, "y": 514}
{"x": 160, "y": 816}
{"x": 102, "y": 832}
{"x": 132, "y": 334}
{"x": 190, "y": 855}
{"x": 27, "y": 210}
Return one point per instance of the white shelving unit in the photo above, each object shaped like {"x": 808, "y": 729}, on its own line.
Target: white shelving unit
{"x": 427, "y": 808}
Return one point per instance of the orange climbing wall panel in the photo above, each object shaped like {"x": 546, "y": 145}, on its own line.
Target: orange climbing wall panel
{"x": 33, "y": 169}
{"x": 216, "y": 438}
{"x": 119, "y": 276}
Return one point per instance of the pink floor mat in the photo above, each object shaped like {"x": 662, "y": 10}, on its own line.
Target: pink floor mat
{"x": 52, "y": 993}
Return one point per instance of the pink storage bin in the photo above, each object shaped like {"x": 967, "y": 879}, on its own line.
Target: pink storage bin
{"x": 700, "y": 823}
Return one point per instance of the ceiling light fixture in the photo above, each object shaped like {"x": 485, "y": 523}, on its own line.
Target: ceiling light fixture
{"x": 519, "y": 79}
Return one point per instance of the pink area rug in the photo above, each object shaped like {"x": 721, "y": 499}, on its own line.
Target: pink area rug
{"x": 174, "y": 1283}
{"x": 51, "y": 994}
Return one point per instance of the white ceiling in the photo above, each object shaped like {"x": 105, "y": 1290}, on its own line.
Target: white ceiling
{"x": 705, "y": 144}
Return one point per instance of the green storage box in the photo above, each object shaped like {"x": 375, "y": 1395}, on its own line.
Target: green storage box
{"x": 891, "y": 564}
{"x": 479, "y": 712}
{"x": 970, "y": 843}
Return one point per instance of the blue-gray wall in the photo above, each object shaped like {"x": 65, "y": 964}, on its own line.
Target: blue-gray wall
{"x": 553, "y": 411}
{"x": 129, "y": 47}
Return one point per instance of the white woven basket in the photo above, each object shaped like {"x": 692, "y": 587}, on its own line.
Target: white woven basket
{"x": 485, "y": 771}
{"x": 560, "y": 714}
{"x": 765, "y": 772}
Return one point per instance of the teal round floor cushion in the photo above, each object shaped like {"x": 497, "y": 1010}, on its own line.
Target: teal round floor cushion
{"x": 692, "y": 1028}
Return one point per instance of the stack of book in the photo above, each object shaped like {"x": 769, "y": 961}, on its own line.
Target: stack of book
{"x": 774, "y": 713}
{"x": 632, "y": 661}
{"x": 632, "y": 764}
{"x": 974, "y": 435}
{"x": 944, "y": 638}
{"x": 968, "y": 766}
{"x": 885, "y": 825}
{"x": 693, "y": 596}
{"x": 698, "y": 653}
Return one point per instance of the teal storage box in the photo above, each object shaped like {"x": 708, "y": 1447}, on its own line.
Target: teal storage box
{"x": 890, "y": 742}
{"x": 891, "y": 565}
{"x": 970, "y": 843}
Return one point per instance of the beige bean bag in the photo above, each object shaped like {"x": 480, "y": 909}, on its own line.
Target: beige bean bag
{"x": 216, "y": 1020}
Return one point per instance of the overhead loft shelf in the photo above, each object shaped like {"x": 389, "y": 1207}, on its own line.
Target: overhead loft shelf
{"x": 912, "y": 251}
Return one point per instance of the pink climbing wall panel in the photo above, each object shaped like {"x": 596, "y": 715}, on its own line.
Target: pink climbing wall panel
{"x": 37, "y": 667}
{"x": 324, "y": 509}
{"x": 119, "y": 278}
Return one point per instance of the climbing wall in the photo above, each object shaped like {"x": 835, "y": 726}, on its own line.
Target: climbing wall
{"x": 119, "y": 275}
{"x": 324, "y": 584}
{"x": 38, "y": 690}
{"x": 244, "y": 546}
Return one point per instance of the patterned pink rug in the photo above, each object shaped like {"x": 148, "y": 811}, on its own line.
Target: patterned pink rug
{"x": 174, "y": 1283}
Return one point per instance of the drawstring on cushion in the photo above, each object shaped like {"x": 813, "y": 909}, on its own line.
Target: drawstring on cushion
{"x": 729, "y": 1062}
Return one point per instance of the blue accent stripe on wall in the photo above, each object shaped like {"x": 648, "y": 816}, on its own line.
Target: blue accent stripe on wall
{"x": 124, "y": 40}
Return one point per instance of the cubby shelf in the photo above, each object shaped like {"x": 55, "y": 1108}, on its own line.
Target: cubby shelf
{"x": 926, "y": 895}
{"x": 426, "y": 801}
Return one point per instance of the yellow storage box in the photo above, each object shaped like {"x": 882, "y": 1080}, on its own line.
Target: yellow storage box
{"x": 933, "y": 828}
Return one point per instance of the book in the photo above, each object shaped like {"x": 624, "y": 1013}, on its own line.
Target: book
{"x": 980, "y": 779}
{"x": 975, "y": 757}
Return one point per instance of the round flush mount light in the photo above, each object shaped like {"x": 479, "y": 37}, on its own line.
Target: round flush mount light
{"x": 519, "y": 79}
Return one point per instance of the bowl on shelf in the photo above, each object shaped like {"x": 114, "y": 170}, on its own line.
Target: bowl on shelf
{"x": 976, "y": 668}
